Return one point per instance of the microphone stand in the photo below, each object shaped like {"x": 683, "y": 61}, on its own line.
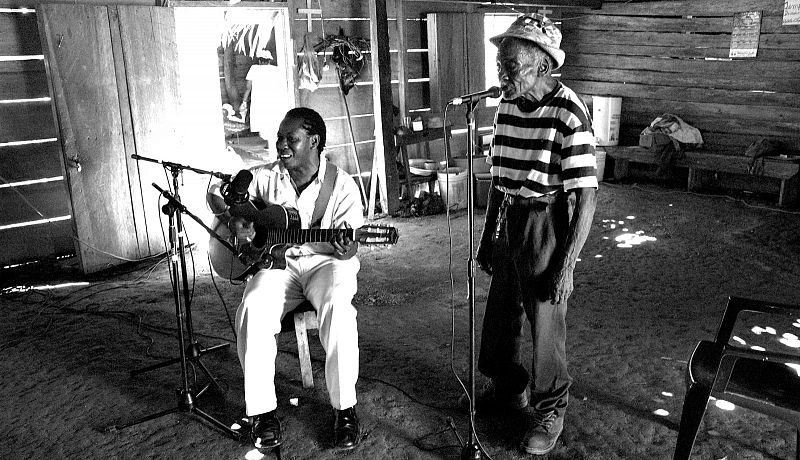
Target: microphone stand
{"x": 471, "y": 450}
{"x": 190, "y": 350}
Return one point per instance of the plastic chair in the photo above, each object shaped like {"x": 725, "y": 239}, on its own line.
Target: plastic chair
{"x": 300, "y": 320}
{"x": 403, "y": 139}
{"x": 757, "y": 380}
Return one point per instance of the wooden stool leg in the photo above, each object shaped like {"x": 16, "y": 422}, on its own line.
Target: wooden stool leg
{"x": 303, "y": 353}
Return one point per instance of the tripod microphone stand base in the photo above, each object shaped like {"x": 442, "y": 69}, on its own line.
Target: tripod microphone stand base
{"x": 193, "y": 353}
{"x": 186, "y": 403}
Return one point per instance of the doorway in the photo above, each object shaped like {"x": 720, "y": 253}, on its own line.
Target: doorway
{"x": 243, "y": 54}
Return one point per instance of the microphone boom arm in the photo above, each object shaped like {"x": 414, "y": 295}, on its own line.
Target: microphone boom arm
{"x": 177, "y": 166}
{"x": 180, "y": 207}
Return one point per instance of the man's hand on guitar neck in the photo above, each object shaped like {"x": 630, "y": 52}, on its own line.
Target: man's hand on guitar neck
{"x": 344, "y": 247}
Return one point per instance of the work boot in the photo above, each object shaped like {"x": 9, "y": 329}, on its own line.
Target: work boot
{"x": 543, "y": 432}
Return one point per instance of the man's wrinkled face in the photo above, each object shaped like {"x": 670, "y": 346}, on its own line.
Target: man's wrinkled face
{"x": 515, "y": 71}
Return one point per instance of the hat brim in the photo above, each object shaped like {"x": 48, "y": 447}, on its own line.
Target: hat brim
{"x": 555, "y": 53}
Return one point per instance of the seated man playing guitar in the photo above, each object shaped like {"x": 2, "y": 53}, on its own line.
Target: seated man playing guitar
{"x": 322, "y": 272}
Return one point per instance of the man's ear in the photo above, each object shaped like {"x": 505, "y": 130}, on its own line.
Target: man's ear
{"x": 314, "y": 141}
{"x": 544, "y": 67}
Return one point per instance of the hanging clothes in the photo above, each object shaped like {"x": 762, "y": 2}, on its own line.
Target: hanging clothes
{"x": 309, "y": 69}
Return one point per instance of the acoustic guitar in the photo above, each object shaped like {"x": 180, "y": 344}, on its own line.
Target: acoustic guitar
{"x": 277, "y": 229}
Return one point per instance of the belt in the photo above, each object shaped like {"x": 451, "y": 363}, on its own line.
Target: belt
{"x": 516, "y": 200}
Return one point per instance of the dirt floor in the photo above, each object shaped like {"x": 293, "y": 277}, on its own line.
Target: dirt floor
{"x": 636, "y": 315}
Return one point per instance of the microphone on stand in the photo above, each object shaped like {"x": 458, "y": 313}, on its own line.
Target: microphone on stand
{"x": 492, "y": 92}
{"x": 235, "y": 191}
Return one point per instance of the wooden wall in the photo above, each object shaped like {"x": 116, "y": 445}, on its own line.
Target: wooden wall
{"x": 672, "y": 57}
{"x": 660, "y": 56}
{"x": 32, "y": 176}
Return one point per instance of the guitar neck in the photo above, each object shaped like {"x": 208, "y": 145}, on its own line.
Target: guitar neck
{"x": 304, "y": 235}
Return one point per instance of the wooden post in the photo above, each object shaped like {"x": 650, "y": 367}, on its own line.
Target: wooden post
{"x": 382, "y": 164}
{"x": 400, "y": 18}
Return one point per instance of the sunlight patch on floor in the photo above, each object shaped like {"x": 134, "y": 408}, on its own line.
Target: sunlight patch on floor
{"x": 44, "y": 287}
{"x": 628, "y": 238}
{"x": 724, "y": 405}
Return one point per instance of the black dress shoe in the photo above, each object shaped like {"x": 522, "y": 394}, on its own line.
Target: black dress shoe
{"x": 345, "y": 428}
{"x": 266, "y": 431}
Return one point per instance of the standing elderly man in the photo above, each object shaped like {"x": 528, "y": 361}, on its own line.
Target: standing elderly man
{"x": 323, "y": 273}
{"x": 541, "y": 206}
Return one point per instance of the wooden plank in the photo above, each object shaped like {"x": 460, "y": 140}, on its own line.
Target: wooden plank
{"x": 716, "y": 142}
{"x": 27, "y": 244}
{"x": 719, "y": 25}
{"x": 153, "y": 114}
{"x": 19, "y": 36}
{"x": 84, "y": 87}
{"x": 762, "y": 103}
{"x": 690, "y": 52}
{"x": 690, "y": 8}
{"x": 11, "y": 67}
{"x": 788, "y": 42}
{"x": 706, "y": 117}
{"x": 401, "y": 62}
{"x": 33, "y": 202}
{"x": 26, "y": 121}
{"x": 456, "y": 66}
{"x": 384, "y": 169}
{"x": 698, "y": 159}
{"x": 23, "y": 85}
{"x": 742, "y": 68}
{"x": 31, "y": 161}
{"x": 767, "y": 83}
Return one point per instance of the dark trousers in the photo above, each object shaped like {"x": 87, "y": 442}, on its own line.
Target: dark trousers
{"x": 531, "y": 234}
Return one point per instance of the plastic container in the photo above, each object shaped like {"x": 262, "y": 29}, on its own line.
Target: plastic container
{"x": 479, "y": 164}
{"x": 600, "y": 156}
{"x": 606, "y": 112}
{"x": 453, "y": 185}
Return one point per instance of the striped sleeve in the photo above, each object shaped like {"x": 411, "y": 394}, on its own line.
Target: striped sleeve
{"x": 578, "y": 162}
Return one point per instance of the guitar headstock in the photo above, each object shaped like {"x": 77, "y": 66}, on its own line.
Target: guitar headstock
{"x": 376, "y": 234}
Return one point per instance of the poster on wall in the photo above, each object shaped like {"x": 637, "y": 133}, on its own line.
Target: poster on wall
{"x": 791, "y": 13}
{"x": 746, "y": 31}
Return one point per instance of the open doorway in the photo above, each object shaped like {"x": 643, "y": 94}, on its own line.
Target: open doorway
{"x": 237, "y": 77}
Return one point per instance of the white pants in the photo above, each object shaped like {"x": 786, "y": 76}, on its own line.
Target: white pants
{"x": 329, "y": 284}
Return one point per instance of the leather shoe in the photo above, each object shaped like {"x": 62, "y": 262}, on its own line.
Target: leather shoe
{"x": 345, "y": 428}
{"x": 265, "y": 432}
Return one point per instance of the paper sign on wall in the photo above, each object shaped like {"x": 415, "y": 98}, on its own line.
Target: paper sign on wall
{"x": 791, "y": 12}
{"x": 746, "y": 31}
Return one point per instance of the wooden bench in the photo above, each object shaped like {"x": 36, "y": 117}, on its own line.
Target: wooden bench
{"x": 697, "y": 162}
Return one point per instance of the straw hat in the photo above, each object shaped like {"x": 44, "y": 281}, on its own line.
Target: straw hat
{"x": 539, "y": 29}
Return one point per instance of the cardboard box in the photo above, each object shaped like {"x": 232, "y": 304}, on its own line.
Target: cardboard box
{"x": 653, "y": 140}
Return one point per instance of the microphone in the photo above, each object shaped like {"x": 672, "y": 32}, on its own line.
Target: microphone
{"x": 235, "y": 191}
{"x": 493, "y": 92}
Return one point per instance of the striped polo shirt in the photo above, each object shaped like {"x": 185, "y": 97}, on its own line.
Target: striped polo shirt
{"x": 548, "y": 149}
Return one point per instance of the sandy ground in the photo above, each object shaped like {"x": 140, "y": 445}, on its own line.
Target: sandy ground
{"x": 633, "y": 320}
